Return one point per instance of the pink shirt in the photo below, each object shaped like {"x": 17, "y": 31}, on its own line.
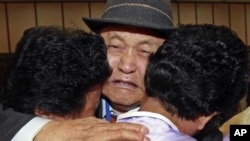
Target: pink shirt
{"x": 160, "y": 128}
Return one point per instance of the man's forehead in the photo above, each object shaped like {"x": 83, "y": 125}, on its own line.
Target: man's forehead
{"x": 122, "y": 32}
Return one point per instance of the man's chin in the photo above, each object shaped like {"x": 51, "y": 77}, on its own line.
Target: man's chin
{"x": 125, "y": 107}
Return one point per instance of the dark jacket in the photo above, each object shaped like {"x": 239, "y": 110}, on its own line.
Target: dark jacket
{"x": 11, "y": 122}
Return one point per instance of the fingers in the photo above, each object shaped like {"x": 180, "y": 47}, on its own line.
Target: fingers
{"x": 82, "y": 122}
{"x": 131, "y": 126}
{"x": 104, "y": 125}
{"x": 122, "y": 134}
{"x": 113, "y": 132}
{"x": 104, "y": 131}
{"x": 92, "y": 129}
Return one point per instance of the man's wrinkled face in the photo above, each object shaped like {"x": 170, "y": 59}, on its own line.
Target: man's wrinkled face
{"x": 128, "y": 52}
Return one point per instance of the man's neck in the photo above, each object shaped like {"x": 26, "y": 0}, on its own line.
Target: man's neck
{"x": 123, "y": 108}
{"x": 152, "y": 104}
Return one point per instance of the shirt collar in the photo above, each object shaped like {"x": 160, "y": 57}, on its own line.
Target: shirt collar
{"x": 113, "y": 111}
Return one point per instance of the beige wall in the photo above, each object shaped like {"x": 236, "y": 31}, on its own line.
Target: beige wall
{"x": 15, "y": 17}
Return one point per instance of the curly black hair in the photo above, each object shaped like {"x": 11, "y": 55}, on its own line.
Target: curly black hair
{"x": 53, "y": 68}
{"x": 199, "y": 70}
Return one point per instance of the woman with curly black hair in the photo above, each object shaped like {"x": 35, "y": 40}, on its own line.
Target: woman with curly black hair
{"x": 57, "y": 73}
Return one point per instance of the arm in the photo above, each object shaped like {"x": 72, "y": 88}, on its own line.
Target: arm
{"x": 90, "y": 129}
{"x": 85, "y": 129}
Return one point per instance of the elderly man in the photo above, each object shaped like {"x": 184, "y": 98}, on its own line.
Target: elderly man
{"x": 130, "y": 40}
{"x": 132, "y": 30}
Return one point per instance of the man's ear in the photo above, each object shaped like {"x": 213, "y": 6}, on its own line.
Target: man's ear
{"x": 49, "y": 115}
{"x": 42, "y": 113}
{"x": 203, "y": 120}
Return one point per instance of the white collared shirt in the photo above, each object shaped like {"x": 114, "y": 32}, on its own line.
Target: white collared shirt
{"x": 113, "y": 111}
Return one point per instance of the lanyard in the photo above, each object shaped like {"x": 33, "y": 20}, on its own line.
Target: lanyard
{"x": 107, "y": 109}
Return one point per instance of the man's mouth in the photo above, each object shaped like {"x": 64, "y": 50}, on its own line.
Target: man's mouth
{"x": 124, "y": 84}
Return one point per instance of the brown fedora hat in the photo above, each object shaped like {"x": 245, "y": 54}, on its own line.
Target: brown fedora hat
{"x": 151, "y": 14}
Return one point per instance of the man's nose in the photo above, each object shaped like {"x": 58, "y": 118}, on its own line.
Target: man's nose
{"x": 127, "y": 63}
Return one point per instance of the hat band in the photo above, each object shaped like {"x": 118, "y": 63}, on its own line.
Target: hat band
{"x": 139, "y": 5}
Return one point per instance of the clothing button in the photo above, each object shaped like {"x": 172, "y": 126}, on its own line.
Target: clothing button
{"x": 113, "y": 118}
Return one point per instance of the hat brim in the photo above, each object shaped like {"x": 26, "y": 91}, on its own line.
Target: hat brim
{"x": 96, "y": 24}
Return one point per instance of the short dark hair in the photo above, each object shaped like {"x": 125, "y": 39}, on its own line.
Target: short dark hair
{"x": 199, "y": 70}
{"x": 53, "y": 68}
